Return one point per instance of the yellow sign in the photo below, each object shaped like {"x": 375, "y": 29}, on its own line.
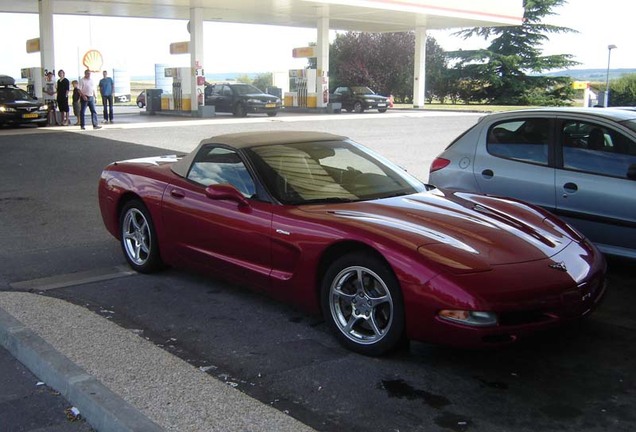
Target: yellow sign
{"x": 33, "y": 45}
{"x": 303, "y": 52}
{"x": 580, "y": 85}
{"x": 180, "y": 47}
{"x": 93, "y": 60}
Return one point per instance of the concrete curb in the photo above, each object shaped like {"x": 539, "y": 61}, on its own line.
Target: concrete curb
{"x": 103, "y": 409}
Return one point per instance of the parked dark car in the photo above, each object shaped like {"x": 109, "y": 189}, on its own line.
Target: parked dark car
{"x": 325, "y": 224}
{"x": 241, "y": 99}
{"x": 141, "y": 99}
{"x": 18, "y": 107}
{"x": 579, "y": 163}
{"x": 359, "y": 99}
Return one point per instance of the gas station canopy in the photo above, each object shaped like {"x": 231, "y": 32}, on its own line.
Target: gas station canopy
{"x": 353, "y": 15}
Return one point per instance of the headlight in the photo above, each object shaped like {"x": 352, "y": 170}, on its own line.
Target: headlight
{"x": 254, "y": 101}
{"x": 277, "y": 101}
{"x": 43, "y": 108}
{"x": 6, "y": 109}
{"x": 470, "y": 318}
{"x": 369, "y": 100}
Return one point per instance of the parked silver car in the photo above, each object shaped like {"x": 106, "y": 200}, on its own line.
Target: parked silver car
{"x": 579, "y": 163}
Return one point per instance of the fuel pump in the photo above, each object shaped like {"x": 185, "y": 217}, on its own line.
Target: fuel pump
{"x": 34, "y": 77}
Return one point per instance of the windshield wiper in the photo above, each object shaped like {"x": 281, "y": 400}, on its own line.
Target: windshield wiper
{"x": 326, "y": 200}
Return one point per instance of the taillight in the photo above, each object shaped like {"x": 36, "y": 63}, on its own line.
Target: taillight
{"x": 438, "y": 164}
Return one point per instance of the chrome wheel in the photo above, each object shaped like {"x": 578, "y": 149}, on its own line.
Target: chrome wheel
{"x": 357, "y": 107}
{"x": 136, "y": 237}
{"x": 361, "y": 305}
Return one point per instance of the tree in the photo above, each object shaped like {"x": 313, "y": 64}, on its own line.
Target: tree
{"x": 384, "y": 62}
{"x": 623, "y": 91}
{"x": 262, "y": 81}
{"x": 505, "y": 66}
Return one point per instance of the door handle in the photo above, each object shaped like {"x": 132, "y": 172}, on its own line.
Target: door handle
{"x": 177, "y": 193}
{"x": 487, "y": 173}
{"x": 569, "y": 188}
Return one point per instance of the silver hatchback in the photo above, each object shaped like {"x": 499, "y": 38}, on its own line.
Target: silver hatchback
{"x": 579, "y": 163}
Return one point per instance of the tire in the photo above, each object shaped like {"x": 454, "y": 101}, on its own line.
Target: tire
{"x": 272, "y": 113}
{"x": 140, "y": 104}
{"x": 367, "y": 318}
{"x": 357, "y": 107}
{"x": 138, "y": 238}
{"x": 382, "y": 110}
{"x": 239, "y": 110}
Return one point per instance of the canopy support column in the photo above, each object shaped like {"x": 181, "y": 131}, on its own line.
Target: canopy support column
{"x": 322, "y": 62}
{"x": 47, "y": 52}
{"x": 420, "y": 68}
{"x": 197, "y": 81}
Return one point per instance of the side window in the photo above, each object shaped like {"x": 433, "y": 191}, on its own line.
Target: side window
{"x": 596, "y": 149}
{"x": 524, "y": 140}
{"x": 227, "y": 91}
{"x": 218, "y": 165}
{"x": 216, "y": 90}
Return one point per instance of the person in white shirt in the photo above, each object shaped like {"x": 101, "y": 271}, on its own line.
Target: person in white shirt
{"x": 87, "y": 98}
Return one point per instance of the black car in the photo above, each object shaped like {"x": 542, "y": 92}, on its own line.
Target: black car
{"x": 18, "y": 107}
{"x": 359, "y": 99}
{"x": 241, "y": 99}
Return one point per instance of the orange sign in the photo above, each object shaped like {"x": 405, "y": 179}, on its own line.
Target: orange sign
{"x": 303, "y": 52}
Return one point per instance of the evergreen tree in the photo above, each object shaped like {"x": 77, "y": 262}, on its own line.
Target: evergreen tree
{"x": 505, "y": 67}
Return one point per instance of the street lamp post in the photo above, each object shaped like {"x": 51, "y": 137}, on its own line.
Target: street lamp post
{"x": 607, "y": 90}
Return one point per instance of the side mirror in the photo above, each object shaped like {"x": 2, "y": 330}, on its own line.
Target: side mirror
{"x": 631, "y": 172}
{"x": 226, "y": 192}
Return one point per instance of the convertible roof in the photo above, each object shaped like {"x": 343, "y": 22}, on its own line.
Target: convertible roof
{"x": 253, "y": 139}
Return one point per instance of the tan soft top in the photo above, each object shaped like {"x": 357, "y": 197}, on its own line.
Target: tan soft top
{"x": 253, "y": 139}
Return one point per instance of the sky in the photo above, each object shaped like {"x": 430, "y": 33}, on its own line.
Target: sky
{"x": 136, "y": 45}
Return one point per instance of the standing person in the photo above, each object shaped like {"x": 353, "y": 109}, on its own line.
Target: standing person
{"x": 106, "y": 91}
{"x": 87, "y": 97}
{"x": 49, "y": 97}
{"x": 63, "y": 88}
{"x": 77, "y": 106}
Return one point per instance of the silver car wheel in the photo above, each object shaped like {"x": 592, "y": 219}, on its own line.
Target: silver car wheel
{"x": 361, "y": 305}
{"x": 136, "y": 236}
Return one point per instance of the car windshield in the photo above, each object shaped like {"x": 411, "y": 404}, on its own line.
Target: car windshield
{"x": 362, "y": 90}
{"x": 10, "y": 94}
{"x": 246, "y": 89}
{"x": 338, "y": 171}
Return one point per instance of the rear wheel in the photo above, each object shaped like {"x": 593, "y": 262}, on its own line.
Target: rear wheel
{"x": 138, "y": 238}
{"x": 362, "y": 302}
{"x": 357, "y": 107}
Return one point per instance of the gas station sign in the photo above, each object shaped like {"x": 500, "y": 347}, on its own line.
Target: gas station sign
{"x": 303, "y": 52}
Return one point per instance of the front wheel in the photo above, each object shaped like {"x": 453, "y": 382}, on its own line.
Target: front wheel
{"x": 272, "y": 113}
{"x": 138, "y": 238}
{"x": 362, "y": 303}
{"x": 382, "y": 110}
{"x": 357, "y": 107}
{"x": 239, "y": 110}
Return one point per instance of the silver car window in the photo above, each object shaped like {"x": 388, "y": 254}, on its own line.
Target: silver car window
{"x": 524, "y": 140}
{"x": 596, "y": 149}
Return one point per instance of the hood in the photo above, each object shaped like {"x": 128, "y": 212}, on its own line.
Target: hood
{"x": 22, "y": 104}
{"x": 372, "y": 96}
{"x": 261, "y": 96}
{"x": 461, "y": 230}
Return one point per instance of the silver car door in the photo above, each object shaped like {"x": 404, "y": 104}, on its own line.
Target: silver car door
{"x": 513, "y": 158}
{"x": 594, "y": 192}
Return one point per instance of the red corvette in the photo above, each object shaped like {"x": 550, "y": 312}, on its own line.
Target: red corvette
{"x": 324, "y": 223}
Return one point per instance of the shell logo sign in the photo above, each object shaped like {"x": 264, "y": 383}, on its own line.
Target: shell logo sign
{"x": 93, "y": 60}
